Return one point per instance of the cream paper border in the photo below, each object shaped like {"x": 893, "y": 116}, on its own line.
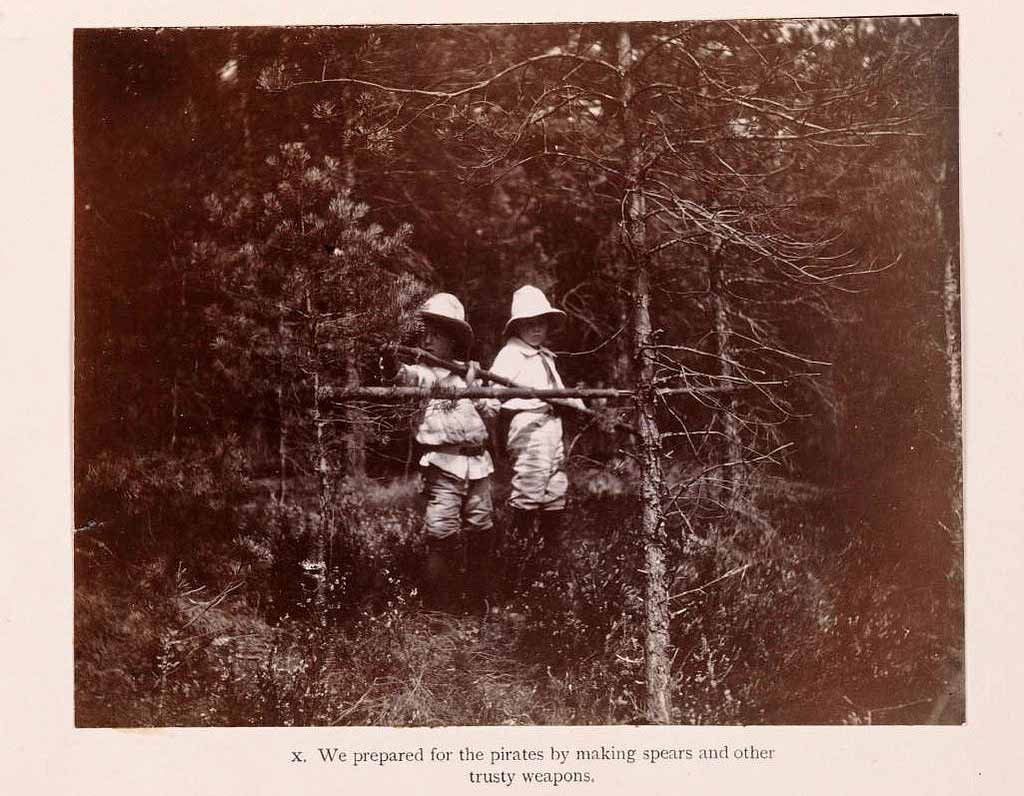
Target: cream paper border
{"x": 42, "y": 752}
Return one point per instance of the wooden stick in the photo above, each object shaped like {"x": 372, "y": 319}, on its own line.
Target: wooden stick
{"x": 500, "y": 393}
{"x": 461, "y": 367}
{"x": 570, "y": 392}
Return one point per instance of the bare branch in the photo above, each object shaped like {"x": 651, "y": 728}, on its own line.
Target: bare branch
{"x": 451, "y": 95}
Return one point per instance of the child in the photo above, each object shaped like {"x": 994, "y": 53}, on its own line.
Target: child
{"x": 534, "y": 438}
{"x": 457, "y": 465}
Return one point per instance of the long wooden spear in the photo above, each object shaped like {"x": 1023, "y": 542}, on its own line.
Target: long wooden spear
{"x": 508, "y": 388}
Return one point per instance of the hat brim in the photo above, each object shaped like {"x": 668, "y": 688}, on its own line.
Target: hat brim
{"x": 553, "y": 315}
{"x": 462, "y": 331}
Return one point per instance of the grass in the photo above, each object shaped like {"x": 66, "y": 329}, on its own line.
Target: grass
{"x": 782, "y": 621}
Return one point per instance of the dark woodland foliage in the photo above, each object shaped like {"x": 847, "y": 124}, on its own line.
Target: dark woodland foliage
{"x": 259, "y": 211}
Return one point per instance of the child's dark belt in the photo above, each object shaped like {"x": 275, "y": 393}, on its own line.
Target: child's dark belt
{"x": 457, "y": 450}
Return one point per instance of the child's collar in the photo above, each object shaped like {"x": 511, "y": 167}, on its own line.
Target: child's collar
{"x": 529, "y": 350}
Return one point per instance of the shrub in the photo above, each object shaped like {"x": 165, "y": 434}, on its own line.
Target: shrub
{"x": 165, "y": 501}
{"x": 777, "y": 617}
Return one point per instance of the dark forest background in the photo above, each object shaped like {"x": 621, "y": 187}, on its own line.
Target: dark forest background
{"x": 256, "y": 210}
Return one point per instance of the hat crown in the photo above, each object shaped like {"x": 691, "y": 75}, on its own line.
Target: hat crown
{"x": 529, "y": 302}
{"x": 446, "y": 306}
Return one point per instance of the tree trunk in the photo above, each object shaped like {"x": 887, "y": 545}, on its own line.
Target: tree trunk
{"x": 176, "y": 384}
{"x": 282, "y": 428}
{"x": 656, "y": 636}
{"x": 951, "y": 322}
{"x": 622, "y": 361}
{"x": 355, "y": 423}
{"x": 951, "y": 316}
{"x": 324, "y": 493}
{"x": 242, "y": 86}
{"x": 324, "y": 534}
{"x": 723, "y": 488}
{"x": 952, "y": 692}
{"x": 951, "y": 301}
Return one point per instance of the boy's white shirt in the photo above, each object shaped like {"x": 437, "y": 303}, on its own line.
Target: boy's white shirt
{"x": 525, "y": 365}
{"x": 443, "y": 424}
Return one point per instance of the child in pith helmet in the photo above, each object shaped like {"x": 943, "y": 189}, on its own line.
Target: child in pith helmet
{"x": 534, "y": 438}
{"x": 455, "y": 461}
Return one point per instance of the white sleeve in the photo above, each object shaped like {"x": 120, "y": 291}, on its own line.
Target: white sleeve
{"x": 507, "y": 364}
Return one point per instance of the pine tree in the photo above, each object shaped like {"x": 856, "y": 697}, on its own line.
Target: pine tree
{"x": 294, "y": 268}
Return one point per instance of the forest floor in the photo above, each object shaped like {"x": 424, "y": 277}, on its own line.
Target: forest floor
{"x": 453, "y": 669}
{"x": 217, "y": 661}
{"x": 222, "y": 631}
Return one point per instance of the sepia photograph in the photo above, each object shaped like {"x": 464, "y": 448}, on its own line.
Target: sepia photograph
{"x": 457, "y": 375}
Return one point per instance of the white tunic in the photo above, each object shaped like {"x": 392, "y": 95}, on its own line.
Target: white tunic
{"x": 534, "y": 440}
{"x": 447, "y": 422}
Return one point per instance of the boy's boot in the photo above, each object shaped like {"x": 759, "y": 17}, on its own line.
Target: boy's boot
{"x": 442, "y": 584}
{"x": 553, "y": 565}
{"x": 524, "y": 542}
{"x": 551, "y": 530}
{"x": 481, "y": 569}
{"x": 524, "y": 525}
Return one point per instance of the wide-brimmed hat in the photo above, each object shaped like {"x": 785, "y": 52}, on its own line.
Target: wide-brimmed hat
{"x": 447, "y": 312}
{"x": 530, "y": 302}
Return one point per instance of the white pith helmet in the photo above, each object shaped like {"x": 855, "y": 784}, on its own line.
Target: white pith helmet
{"x": 447, "y": 311}
{"x": 530, "y": 302}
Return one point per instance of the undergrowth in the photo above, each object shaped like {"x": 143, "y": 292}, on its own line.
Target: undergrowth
{"x": 783, "y": 619}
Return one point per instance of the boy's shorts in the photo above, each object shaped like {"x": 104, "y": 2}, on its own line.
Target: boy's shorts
{"x": 455, "y": 503}
{"x": 539, "y": 480}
